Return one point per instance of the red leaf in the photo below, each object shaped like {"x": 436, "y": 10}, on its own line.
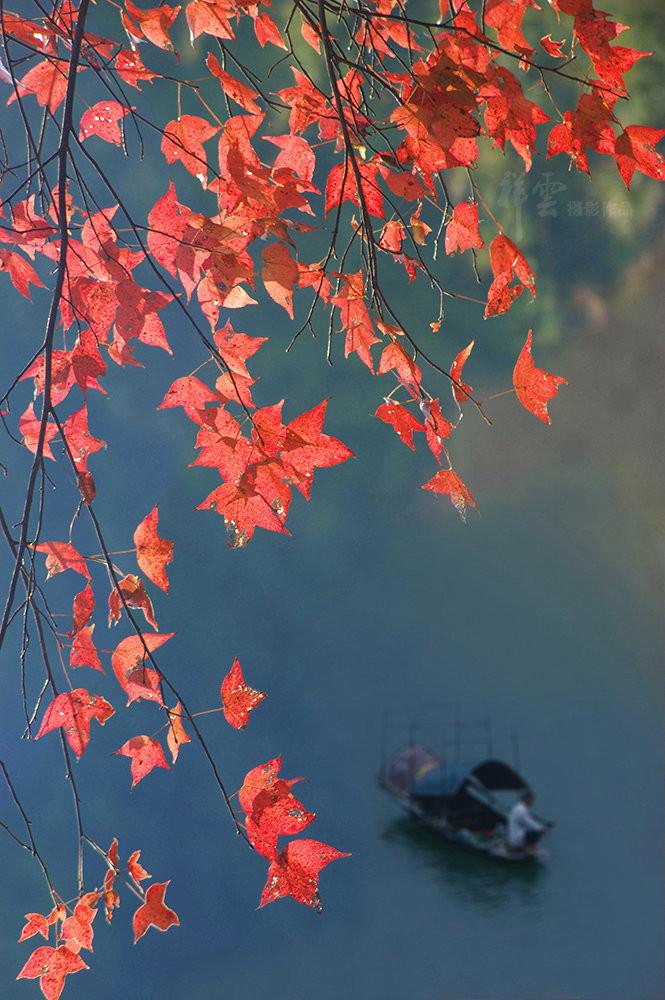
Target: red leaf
{"x": 271, "y": 808}
{"x": 154, "y": 912}
{"x": 80, "y": 440}
{"x": 77, "y": 929}
{"x": 176, "y": 734}
{"x": 73, "y": 712}
{"x": 506, "y": 260}
{"x": 449, "y": 483}
{"x": 153, "y": 553}
{"x": 84, "y": 605}
{"x": 535, "y": 387}
{"x": 552, "y": 47}
{"x": 29, "y": 426}
{"x": 280, "y": 274}
{"x": 237, "y": 91}
{"x": 21, "y": 273}
{"x": 130, "y": 68}
{"x": 238, "y": 699}
{"x": 132, "y": 589}
{"x": 190, "y": 393}
{"x": 83, "y": 652}
{"x": 36, "y": 924}
{"x": 437, "y": 428}
{"x": 461, "y": 391}
{"x": 103, "y": 120}
{"x": 153, "y": 24}
{"x": 462, "y": 230}
{"x": 61, "y": 556}
{"x": 47, "y": 80}
{"x": 52, "y": 966}
{"x": 295, "y": 872}
{"x": 307, "y": 448}
{"x": 145, "y": 753}
{"x": 635, "y": 151}
{"x": 401, "y": 420}
{"x": 267, "y": 31}
{"x": 183, "y": 140}
{"x": 129, "y": 666}
{"x": 135, "y": 868}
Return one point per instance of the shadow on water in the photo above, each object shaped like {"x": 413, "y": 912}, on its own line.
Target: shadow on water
{"x": 486, "y": 883}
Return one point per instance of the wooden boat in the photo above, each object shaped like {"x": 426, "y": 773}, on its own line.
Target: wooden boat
{"x": 467, "y": 804}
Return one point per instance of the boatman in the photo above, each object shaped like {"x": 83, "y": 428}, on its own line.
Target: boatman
{"x": 524, "y": 830}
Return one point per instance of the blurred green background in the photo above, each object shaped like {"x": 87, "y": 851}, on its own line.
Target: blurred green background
{"x": 544, "y": 612}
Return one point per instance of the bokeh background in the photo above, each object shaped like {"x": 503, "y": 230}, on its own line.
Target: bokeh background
{"x": 543, "y": 613}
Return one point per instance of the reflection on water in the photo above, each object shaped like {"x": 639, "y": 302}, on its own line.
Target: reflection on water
{"x": 487, "y": 883}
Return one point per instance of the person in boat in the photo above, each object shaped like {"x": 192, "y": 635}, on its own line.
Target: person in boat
{"x": 524, "y": 829}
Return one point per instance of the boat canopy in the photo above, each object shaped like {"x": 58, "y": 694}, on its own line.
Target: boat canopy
{"x": 487, "y": 775}
{"x": 417, "y": 770}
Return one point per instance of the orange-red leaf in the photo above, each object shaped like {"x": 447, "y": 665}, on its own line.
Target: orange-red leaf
{"x": 461, "y": 391}
{"x": 129, "y": 666}
{"x": 534, "y": 387}
{"x": 103, "y": 120}
{"x": 176, "y": 734}
{"x": 449, "y": 483}
{"x": 145, "y": 753}
{"x": 154, "y": 912}
{"x": 295, "y": 872}
{"x": 135, "y": 868}
{"x": 238, "y": 699}
{"x": 402, "y": 421}
{"x": 73, "y": 712}
{"x": 52, "y": 966}
{"x": 61, "y": 556}
{"x": 153, "y": 553}
{"x": 462, "y": 231}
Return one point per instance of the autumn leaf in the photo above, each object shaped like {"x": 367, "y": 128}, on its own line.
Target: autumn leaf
{"x": 35, "y": 924}
{"x": 534, "y": 387}
{"x": 238, "y": 699}
{"x": 449, "y": 483}
{"x": 83, "y": 607}
{"x": 135, "y": 868}
{"x": 402, "y": 421}
{"x": 154, "y": 912}
{"x": 183, "y": 141}
{"x": 29, "y": 427}
{"x": 73, "y": 712}
{"x": 61, "y": 556}
{"x": 462, "y": 231}
{"x": 295, "y": 872}
{"x": 153, "y": 553}
{"x": 176, "y": 734}
{"x": 461, "y": 391}
{"x": 145, "y": 753}
{"x": 129, "y": 666}
{"x": 52, "y": 966}
{"x": 103, "y": 120}
{"x": 132, "y": 589}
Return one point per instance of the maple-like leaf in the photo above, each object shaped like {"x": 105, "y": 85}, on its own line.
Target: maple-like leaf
{"x": 461, "y": 391}
{"x": 176, "y": 734}
{"x": 152, "y": 24}
{"x": 462, "y": 231}
{"x": 79, "y": 439}
{"x": 61, "y": 556}
{"x": 52, "y": 966}
{"x": 183, "y": 141}
{"x": 402, "y": 421}
{"x": 507, "y": 261}
{"x": 153, "y": 553}
{"x": 190, "y": 393}
{"x": 132, "y": 589}
{"x": 103, "y": 120}
{"x": 77, "y": 931}
{"x": 22, "y": 273}
{"x": 237, "y": 91}
{"x": 29, "y": 427}
{"x": 135, "y": 868}
{"x": 83, "y": 652}
{"x": 267, "y": 31}
{"x": 73, "y": 712}
{"x": 129, "y": 666}
{"x": 271, "y": 808}
{"x": 36, "y": 923}
{"x": 83, "y": 607}
{"x": 307, "y": 448}
{"x": 280, "y": 274}
{"x": 295, "y": 872}
{"x": 154, "y": 912}
{"x": 449, "y": 483}
{"x": 534, "y": 387}
{"x": 238, "y": 699}
{"x": 145, "y": 753}
{"x": 634, "y": 150}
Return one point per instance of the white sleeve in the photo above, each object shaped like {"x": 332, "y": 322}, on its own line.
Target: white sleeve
{"x": 530, "y": 823}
